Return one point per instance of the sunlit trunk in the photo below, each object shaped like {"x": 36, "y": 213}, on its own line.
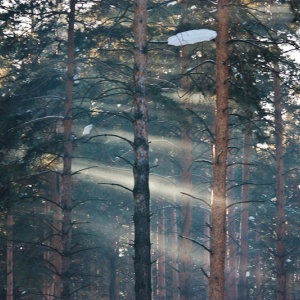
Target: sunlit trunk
{"x": 9, "y": 258}
{"x": 66, "y": 199}
{"x": 279, "y": 153}
{"x": 141, "y": 193}
{"x": 243, "y": 280}
{"x": 218, "y": 206}
{"x": 185, "y": 274}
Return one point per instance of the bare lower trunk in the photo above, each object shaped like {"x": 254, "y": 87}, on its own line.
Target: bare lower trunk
{"x": 218, "y": 206}
{"x": 141, "y": 193}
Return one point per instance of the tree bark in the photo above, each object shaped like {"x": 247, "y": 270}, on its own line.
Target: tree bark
{"x": 279, "y": 153}
{"x": 243, "y": 280}
{"x": 66, "y": 199}
{"x": 141, "y": 193}
{"x": 218, "y": 206}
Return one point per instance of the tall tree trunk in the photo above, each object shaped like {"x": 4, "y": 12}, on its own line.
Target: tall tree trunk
{"x": 218, "y": 206}
{"x": 161, "y": 255}
{"x": 279, "y": 152}
{"x": 141, "y": 193}
{"x": 185, "y": 274}
{"x": 243, "y": 280}
{"x": 66, "y": 199}
{"x": 9, "y": 258}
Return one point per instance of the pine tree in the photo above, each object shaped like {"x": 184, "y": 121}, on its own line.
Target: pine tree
{"x": 142, "y": 259}
{"x": 218, "y": 206}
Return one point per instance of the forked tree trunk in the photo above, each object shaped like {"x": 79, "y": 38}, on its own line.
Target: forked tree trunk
{"x": 141, "y": 193}
{"x": 9, "y": 258}
{"x": 66, "y": 198}
{"x": 185, "y": 274}
{"x": 243, "y": 280}
{"x": 279, "y": 153}
{"x": 218, "y": 206}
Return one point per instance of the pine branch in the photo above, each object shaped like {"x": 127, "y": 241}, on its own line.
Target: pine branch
{"x": 196, "y": 242}
{"x": 111, "y": 135}
{"x": 196, "y": 198}
{"x": 36, "y": 121}
{"x": 116, "y": 184}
